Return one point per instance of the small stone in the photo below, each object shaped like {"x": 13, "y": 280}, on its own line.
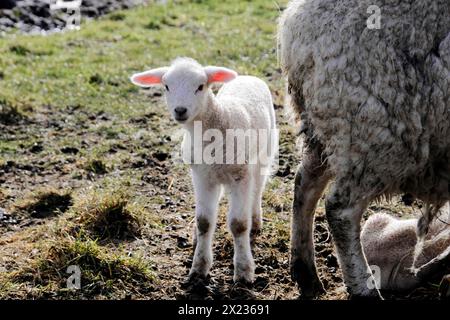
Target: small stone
{"x": 182, "y": 242}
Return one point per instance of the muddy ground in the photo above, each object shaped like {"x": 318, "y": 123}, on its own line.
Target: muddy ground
{"x": 63, "y": 143}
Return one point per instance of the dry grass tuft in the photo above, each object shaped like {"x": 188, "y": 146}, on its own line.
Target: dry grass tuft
{"x": 77, "y": 238}
{"x": 108, "y": 215}
{"x": 96, "y": 166}
{"x": 102, "y": 272}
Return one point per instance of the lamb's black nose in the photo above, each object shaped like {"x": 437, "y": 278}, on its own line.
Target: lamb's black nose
{"x": 180, "y": 111}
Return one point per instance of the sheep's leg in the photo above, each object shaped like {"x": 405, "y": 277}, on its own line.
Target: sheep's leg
{"x": 344, "y": 218}
{"x": 310, "y": 181}
{"x": 207, "y": 199}
{"x": 239, "y": 221}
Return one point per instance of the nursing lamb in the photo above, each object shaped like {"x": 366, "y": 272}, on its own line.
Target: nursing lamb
{"x": 389, "y": 244}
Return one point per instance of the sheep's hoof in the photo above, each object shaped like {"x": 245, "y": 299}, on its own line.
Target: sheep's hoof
{"x": 197, "y": 287}
{"x": 242, "y": 282}
{"x": 308, "y": 282}
{"x": 373, "y": 296}
{"x": 311, "y": 290}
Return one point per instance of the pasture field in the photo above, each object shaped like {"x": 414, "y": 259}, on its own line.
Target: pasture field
{"x": 88, "y": 170}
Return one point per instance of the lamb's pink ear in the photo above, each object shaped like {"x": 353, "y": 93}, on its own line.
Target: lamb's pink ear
{"x": 149, "y": 78}
{"x": 219, "y": 74}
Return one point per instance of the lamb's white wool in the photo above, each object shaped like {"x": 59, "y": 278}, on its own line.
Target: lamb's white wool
{"x": 374, "y": 104}
{"x": 242, "y": 103}
{"x": 389, "y": 243}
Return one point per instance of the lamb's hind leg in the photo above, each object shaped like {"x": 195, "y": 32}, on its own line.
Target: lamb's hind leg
{"x": 207, "y": 198}
{"x": 310, "y": 181}
{"x": 259, "y": 184}
{"x": 239, "y": 221}
{"x": 344, "y": 217}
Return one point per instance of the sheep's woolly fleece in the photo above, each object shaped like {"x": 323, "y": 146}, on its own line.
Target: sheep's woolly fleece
{"x": 377, "y": 100}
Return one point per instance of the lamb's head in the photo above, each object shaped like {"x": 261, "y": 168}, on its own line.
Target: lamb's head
{"x": 186, "y": 85}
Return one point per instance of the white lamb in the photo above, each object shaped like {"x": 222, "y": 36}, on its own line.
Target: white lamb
{"x": 242, "y": 105}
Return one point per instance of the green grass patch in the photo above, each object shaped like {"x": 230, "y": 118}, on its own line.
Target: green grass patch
{"x": 103, "y": 273}
{"x": 96, "y": 166}
{"x": 91, "y": 67}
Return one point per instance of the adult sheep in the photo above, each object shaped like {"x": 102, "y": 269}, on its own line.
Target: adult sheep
{"x": 374, "y": 105}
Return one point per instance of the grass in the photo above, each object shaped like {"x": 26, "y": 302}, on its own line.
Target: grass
{"x": 88, "y": 236}
{"x": 108, "y": 215}
{"x": 91, "y": 67}
{"x": 10, "y": 114}
{"x": 99, "y": 270}
{"x": 95, "y": 166}
{"x": 113, "y": 145}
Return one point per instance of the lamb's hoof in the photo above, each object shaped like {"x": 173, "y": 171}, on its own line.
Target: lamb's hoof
{"x": 242, "y": 291}
{"x": 244, "y": 277}
{"x": 309, "y": 283}
{"x": 197, "y": 288}
{"x": 244, "y": 283}
{"x": 195, "y": 278}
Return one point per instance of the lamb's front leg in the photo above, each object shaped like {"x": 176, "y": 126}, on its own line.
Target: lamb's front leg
{"x": 206, "y": 204}
{"x": 239, "y": 221}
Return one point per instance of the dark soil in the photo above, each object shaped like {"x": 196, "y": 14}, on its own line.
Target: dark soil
{"x": 65, "y": 137}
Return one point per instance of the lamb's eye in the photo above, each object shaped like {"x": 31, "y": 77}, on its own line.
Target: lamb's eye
{"x": 200, "y": 88}
{"x": 167, "y": 87}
